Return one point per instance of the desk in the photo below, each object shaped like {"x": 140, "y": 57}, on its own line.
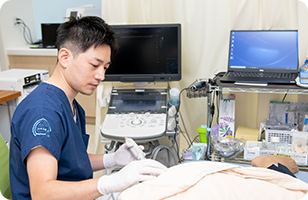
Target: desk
{"x": 26, "y": 58}
{"x": 27, "y": 51}
{"x": 8, "y": 95}
{"x": 5, "y": 121}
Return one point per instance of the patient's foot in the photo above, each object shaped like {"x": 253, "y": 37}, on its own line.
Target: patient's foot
{"x": 266, "y": 161}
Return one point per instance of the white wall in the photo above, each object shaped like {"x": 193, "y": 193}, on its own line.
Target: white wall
{"x": 202, "y": 21}
{"x": 47, "y": 11}
{"x": 303, "y": 27}
{"x": 206, "y": 26}
{"x": 32, "y": 12}
{"x": 10, "y": 35}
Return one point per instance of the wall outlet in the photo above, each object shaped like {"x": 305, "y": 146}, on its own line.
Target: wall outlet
{"x": 15, "y": 19}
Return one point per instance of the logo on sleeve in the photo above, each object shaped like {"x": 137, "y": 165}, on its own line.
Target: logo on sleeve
{"x": 41, "y": 127}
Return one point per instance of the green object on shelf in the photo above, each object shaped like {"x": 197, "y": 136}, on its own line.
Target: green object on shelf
{"x": 202, "y": 133}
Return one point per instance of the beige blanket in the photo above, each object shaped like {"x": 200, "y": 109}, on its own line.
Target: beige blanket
{"x": 215, "y": 180}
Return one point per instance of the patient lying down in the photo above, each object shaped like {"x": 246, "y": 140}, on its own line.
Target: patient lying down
{"x": 279, "y": 163}
{"x": 217, "y": 180}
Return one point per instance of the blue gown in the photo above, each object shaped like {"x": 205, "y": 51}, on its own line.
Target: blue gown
{"x": 44, "y": 118}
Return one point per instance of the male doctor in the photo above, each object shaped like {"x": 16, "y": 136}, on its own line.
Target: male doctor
{"x": 48, "y": 149}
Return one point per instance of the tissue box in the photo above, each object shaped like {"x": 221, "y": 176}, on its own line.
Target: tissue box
{"x": 226, "y": 116}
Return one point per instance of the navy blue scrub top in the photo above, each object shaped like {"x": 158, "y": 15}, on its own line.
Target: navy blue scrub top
{"x": 44, "y": 118}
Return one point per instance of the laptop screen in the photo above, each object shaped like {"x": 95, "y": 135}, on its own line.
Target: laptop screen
{"x": 266, "y": 51}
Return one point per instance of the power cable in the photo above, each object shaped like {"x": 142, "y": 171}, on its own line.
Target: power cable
{"x": 285, "y": 96}
{"x": 26, "y": 31}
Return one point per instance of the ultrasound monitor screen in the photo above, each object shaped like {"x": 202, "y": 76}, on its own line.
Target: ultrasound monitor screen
{"x": 147, "y": 53}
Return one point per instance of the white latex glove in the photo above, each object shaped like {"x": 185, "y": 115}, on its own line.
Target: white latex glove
{"x": 132, "y": 173}
{"x": 121, "y": 157}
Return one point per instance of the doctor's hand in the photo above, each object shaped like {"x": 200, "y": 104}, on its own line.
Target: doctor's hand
{"x": 121, "y": 157}
{"x": 134, "y": 172}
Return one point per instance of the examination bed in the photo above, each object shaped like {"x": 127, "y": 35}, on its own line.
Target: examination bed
{"x": 218, "y": 180}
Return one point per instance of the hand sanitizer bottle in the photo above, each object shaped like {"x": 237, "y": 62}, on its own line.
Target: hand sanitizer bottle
{"x": 303, "y": 72}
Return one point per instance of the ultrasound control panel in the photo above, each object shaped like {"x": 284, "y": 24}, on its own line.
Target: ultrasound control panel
{"x": 140, "y": 114}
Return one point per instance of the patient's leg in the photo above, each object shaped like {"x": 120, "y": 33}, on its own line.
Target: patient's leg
{"x": 267, "y": 161}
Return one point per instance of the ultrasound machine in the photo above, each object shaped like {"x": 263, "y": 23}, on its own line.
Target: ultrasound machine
{"x": 139, "y": 114}
{"x": 148, "y": 54}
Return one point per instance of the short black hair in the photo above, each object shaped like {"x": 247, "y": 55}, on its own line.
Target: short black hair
{"x": 79, "y": 34}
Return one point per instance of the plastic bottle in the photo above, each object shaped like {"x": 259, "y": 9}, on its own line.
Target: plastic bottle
{"x": 174, "y": 96}
{"x": 303, "y": 72}
{"x": 203, "y": 133}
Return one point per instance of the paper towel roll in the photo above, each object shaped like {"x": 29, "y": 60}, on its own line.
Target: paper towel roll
{"x": 250, "y": 134}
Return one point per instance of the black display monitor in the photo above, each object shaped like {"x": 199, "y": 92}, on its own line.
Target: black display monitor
{"x": 147, "y": 53}
{"x": 49, "y": 34}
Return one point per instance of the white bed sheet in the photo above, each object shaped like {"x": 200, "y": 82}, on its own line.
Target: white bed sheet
{"x": 302, "y": 175}
{"x": 206, "y": 179}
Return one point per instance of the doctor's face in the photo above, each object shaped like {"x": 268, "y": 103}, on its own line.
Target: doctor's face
{"x": 87, "y": 69}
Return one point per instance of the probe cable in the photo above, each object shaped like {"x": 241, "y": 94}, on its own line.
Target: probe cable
{"x": 160, "y": 148}
{"x": 178, "y": 111}
{"x": 177, "y": 147}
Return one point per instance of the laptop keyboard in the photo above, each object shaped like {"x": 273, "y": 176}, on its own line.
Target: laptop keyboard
{"x": 261, "y": 75}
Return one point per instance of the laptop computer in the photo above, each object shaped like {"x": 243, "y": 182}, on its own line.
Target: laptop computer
{"x": 259, "y": 57}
